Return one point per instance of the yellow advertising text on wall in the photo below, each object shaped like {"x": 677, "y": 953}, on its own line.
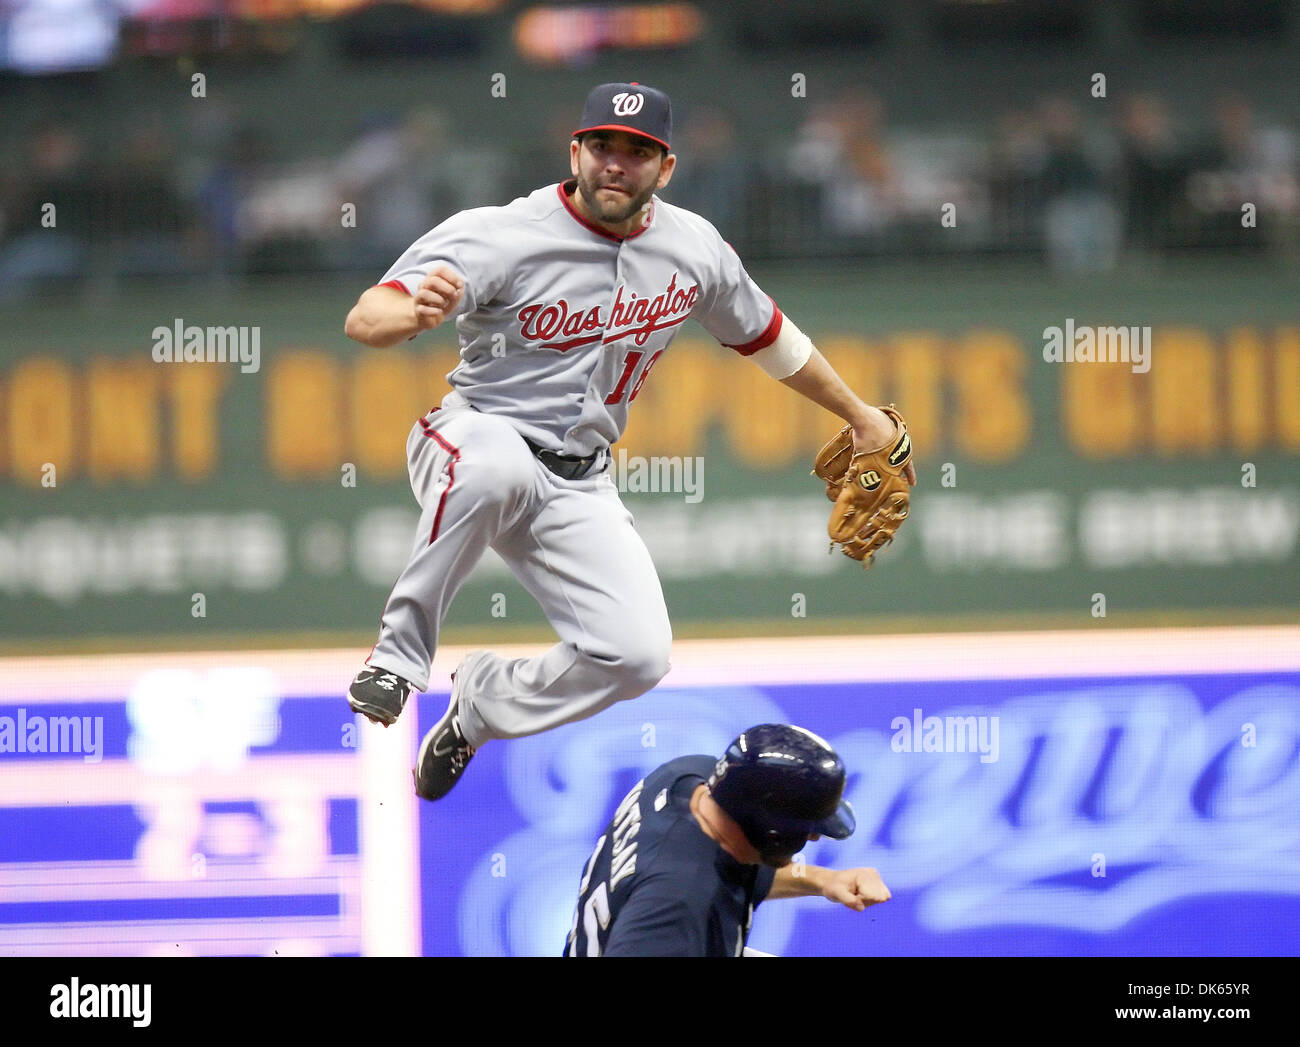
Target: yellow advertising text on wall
{"x": 978, "y": 396}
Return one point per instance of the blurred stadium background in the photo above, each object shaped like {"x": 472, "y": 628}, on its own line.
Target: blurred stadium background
{"x": 193, "y": 557}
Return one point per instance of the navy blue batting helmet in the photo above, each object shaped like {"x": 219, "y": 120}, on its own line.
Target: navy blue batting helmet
{"x": 781, "y": 785}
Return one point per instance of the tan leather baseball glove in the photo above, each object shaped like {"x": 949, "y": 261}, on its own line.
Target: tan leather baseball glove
{"x": 869, "y": 488}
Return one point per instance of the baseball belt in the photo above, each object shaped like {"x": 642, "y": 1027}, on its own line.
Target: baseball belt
{"x": 565, "y": 466}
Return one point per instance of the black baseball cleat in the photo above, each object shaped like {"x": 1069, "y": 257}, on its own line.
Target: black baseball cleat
{"x": 378, "y": 695}
{"x": 444, "y": 754}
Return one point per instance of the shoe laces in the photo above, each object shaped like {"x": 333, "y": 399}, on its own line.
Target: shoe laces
{"x": 460, "y": 756}
{"x": 462, "y": 751}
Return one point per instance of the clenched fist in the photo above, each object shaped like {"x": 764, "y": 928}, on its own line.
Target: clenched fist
{"x": 856, "y": 888}
{"x": 438, "y": 294}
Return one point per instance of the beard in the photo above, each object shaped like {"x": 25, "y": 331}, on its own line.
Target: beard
{"x": 612, "y": 209}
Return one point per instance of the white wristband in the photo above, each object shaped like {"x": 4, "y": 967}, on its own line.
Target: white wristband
{"x": 787, "y": 354}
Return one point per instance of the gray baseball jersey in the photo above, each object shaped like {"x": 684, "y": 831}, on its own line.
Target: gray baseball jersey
{"x": 560, "y": 325}
{"x": 561, "y": 321}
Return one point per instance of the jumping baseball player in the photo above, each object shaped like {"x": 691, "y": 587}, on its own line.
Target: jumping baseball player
{"x": 698, "y": 843}
{"x": 564, "y": 300}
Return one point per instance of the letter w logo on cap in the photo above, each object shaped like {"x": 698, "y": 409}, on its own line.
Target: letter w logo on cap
{"x": 628, "y": 103}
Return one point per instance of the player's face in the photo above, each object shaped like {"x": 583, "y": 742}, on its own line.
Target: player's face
{"x": 618, "y": 173}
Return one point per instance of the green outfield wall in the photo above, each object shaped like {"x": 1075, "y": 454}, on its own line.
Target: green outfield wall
{"x": 146, "y": 502}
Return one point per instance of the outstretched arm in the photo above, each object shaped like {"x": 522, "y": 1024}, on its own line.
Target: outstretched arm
{"x": 854, "y": 888}
{"x": 819, "y": 382}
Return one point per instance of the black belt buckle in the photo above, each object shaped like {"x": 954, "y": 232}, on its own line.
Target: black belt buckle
{"x": 565, "y": 466}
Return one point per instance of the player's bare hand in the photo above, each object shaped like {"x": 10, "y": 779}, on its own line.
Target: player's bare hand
{"x": 873, "y": 431}
{"x": 856, "y": 888}
{"x": 438, "y": 294}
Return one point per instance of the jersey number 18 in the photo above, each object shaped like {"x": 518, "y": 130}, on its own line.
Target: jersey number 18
{"x": 634, "y": 358}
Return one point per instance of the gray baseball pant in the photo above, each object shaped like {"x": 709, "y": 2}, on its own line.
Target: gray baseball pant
{"x": 570, "y": 543}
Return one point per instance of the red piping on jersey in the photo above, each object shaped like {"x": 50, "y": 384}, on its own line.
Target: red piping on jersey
{"x": 451, "y": 474}
{"x": 565, "y": 188}
{"x": 767, "y": 337}
{"x": 395, "y": 284}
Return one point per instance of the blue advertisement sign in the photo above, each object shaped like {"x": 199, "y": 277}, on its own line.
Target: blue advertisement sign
{"x": 1134, "y": 816}
{"x": 244, "y": 811}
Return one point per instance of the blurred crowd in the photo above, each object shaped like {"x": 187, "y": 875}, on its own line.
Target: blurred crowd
{"x": 1082, "y": 186}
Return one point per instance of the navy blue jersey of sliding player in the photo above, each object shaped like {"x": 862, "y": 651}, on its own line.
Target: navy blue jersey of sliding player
{"x": 656, "y": 885}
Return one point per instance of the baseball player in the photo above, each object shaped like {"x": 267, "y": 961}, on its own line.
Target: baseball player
{"x": 563, "y": 301}
{"x": 698, "y": 843}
